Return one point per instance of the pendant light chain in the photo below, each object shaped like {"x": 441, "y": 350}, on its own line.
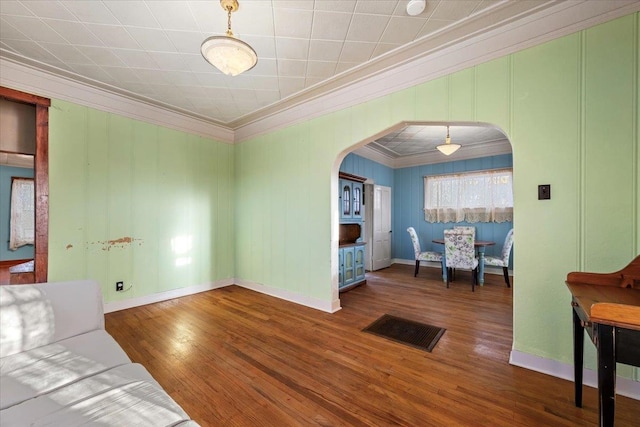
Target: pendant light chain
{"x": 229, "y": 32}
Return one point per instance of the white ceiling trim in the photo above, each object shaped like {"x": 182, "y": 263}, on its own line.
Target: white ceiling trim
{"x": 564, "y": 18}
{"x": 38, "y": 82}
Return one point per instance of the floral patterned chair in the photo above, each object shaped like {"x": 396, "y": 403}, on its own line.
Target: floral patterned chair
{"x": 460, "y": 253}
{"x": 422, "y": 256}
{"x": 503, "y": 259}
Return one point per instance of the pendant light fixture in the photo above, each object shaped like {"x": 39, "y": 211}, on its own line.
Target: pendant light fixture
{"x": 227, "y": 53}
{"x": 448, "y": 148}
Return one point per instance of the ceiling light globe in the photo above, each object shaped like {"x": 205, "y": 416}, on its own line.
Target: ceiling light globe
{"x": 228, "y": 54}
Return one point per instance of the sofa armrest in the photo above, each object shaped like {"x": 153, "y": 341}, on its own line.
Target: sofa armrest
{"x": 36, "y": 315}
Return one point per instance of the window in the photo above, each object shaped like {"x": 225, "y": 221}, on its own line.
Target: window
{"x": 22, "y": 213}
{"x": 483, "y": 196}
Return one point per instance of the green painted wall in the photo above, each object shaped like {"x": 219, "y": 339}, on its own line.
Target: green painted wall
{"x": 136, "y": 202}
{"x": 570, "y": 108}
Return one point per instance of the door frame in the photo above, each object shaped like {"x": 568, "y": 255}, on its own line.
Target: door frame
{"x": 41, "y": 177}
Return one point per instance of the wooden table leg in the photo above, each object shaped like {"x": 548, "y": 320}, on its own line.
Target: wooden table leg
{"x": 578, "y": 351}
{"x": 606, "y": 373}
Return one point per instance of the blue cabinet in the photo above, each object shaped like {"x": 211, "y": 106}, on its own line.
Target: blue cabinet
{"x": 350, "y": 195}
{"x": 351, "y": 269}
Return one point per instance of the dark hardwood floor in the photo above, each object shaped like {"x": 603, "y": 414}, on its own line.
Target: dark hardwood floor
{"x": 234, "y": 357}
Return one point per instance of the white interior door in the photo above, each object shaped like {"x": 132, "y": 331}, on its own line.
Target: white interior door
{"x": 381, "y": 253}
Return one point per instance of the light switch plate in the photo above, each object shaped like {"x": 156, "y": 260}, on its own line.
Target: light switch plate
{"x": 544, "y": 192}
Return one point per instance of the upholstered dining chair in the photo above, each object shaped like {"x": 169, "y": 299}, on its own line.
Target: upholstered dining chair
{"x": 420, "y": 255}
{"x": 460, "y": 253}
{"x": 503, "y": 259}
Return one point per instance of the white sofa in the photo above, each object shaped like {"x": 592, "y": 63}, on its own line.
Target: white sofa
{"x": 59, "y": 367}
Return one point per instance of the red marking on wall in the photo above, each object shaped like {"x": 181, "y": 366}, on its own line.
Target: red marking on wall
{"x": 121, "y": 243}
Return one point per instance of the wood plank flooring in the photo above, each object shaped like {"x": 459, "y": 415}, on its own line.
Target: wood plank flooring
{"x": 233, "y": 357}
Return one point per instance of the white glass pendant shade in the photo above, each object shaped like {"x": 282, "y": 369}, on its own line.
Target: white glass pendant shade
{"x": 228, "y": 54}
{"x": 448, "y": 148}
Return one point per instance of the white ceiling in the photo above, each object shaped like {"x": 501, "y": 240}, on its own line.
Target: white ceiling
{"x": 149, "y": 50}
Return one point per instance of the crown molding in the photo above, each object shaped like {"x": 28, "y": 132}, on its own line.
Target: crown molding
{"x": 44, "y": 81}
{"x": 559, "y": 19}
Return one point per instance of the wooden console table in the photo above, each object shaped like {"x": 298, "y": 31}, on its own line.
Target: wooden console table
{"x": 607, "y": 306}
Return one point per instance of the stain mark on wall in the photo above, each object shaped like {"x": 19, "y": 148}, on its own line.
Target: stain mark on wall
{"x": 69, "y": 246}
{"x": 120, "y": 243}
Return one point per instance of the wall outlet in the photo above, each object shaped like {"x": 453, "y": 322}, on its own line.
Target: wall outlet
{"x": 119, "y": 286}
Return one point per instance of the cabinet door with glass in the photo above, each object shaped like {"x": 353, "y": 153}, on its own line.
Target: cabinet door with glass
{"x": 350, "y": 200}
{"x": 348, "y": 266}
{"x": 359, "y": 262}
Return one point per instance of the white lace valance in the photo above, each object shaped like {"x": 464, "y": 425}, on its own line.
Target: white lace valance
{"x": 22, "y": 213}
{"x": 485, "y": 196}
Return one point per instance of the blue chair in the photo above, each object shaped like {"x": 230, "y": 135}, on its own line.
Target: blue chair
{"x": 503, "y": 259}
{"x": 420, "y": 255}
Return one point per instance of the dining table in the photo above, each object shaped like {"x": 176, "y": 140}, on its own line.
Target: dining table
{"x": 481, "y": 246}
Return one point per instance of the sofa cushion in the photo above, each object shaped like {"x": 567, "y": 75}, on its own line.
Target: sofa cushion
{"x": 124, "y": 395}
{"x": 40, "y": 370}
{"x": 35, "y": 315}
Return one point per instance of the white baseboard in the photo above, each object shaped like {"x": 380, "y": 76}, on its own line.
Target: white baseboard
{"x": 329, "y": 307}
{"x": 163, "y": 296}
{"x": 624, "y": 386}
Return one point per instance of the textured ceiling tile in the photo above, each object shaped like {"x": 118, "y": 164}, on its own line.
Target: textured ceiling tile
{"x": 152, "y": 39}
{"x": 323, "y": 50}
{"x": 14, "y": 8}
{"x": 265, "y": 67}
{"x": 330, "y": 25}
{"x": 242, "y": 81}
{"x": 265, "y": 47}
{"x": 91, "y": 11}
{"x": 74, "y": 32}
{"x": 367, "y": 28}
{"x": 123, "y": 74}
{"x": 210, "y": 79}
{"x": 310, "y": 81}
{"x": 8, "y": 31}
{"x": 290, "y": 85}
{"x": 268, "y": 83}
{"x": 93, "y": 72}
{"x": 49, "y": 9}
{"x": 268, "y": 96}
{"x": 135, "y": 58}
{"x": 293, "y": 23}
{"x": 197, "y": 64}
{"x": 31, "y": 49}
{"x": 291, "y": 68}
{"x": 152, "y": 76}
{"x": 101, "y": 56}
{"x": 454, "y": 9}
{"x": 66, "y": 53}
{"x": 210, "y": 18}
{"x": 336, "y": 5}
{"x": 320, "y": 69}
{"x": 113, "y": 36}
{"x": 382, "y": 48}
{"x": 179, "y": 78}
{"x": 402, "y": 30}
{"x": 294, "y": 4}
{"x": 432, "y": 26}
{"x": 485, "y": 4}
{"x": 356, "y": 52}
{"x": 186, "y": 41}
{"x": 33, "y": 28}
{"x": 251, "y": 19}
{"x": 172, "y": 15}
{"x": 134, "y": 13}
{"x": 287, "y": 48}
{"x": 344, "y": 66}
{"x": 382, "y": 7}
{"x": 172, "y": 61}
